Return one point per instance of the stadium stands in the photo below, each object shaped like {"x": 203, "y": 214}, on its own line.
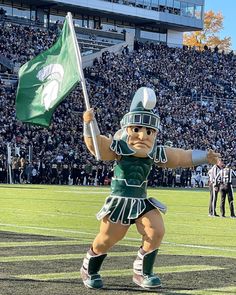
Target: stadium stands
{"x": 196, "y": 102}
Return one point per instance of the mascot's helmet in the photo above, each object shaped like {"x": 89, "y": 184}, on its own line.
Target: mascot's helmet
{"x": 141, "y": 113}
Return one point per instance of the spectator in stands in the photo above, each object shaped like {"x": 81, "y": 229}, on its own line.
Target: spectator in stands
{"x": 22, "y": 163}
{"x": 2, "y": 13}
{"x": 28, "y": 171}
{"x": 34, "y": 174}
{"x": 75, "y": 173}
{"x": 3, "y": 169}
{"x": 187, "y": 123}
{"x": 54, "y": 172}
{"x": 189, "y": 177}
{"x": 65, "y": 173}
{"x": 16, "y": 169}
{"x": 198, "y": 180}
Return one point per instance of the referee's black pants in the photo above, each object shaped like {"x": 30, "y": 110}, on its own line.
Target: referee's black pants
{"x": 227, "y": 190}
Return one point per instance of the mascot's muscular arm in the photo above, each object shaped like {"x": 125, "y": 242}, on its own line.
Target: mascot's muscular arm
{"x": 188, "y": 158}
{"x": 103, "y": 141}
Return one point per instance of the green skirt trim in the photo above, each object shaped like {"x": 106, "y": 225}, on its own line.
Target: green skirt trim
{"x": 126, "y": 210}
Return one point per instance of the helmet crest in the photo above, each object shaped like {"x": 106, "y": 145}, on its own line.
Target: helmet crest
{"x": 141, "y": 113}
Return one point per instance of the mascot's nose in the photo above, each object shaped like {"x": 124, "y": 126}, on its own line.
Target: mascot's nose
{"x": 142, "y": 134}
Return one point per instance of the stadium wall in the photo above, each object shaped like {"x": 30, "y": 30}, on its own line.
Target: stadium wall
{"x": 174, "y": 38}
{"x": 129, "y": 41}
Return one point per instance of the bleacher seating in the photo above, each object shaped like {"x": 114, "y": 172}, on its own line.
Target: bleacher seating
{"x": 188, "y": 119}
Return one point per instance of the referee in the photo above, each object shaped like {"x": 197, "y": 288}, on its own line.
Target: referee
{"x": 224, "y": 177}
{"x": 214, "y": 188}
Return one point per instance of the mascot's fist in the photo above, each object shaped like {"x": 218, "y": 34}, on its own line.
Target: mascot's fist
{"x": 212, "y": 157}
{"x": 88, "y": 116}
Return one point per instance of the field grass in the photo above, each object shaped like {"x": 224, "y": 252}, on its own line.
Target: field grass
{"x": 68, "y": 212}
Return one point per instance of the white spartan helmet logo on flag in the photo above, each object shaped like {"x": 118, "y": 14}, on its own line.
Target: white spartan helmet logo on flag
{"x": 52, "y": 76}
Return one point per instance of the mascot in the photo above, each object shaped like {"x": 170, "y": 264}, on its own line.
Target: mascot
{"x": 134, "y": 148}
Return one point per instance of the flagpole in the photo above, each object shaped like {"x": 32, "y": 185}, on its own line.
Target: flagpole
{"x": 85, "y": 93}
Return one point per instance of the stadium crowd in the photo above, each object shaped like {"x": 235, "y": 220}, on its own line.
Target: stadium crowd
{"x": 180, "y": 78}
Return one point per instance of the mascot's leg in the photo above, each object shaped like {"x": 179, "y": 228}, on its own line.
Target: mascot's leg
{"x": 90, "y": 268}
{"x": 109, "y": 235}
{"x": 151, "y": 227}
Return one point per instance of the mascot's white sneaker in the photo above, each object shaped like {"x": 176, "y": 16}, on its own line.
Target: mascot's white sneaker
{"x": 93, "y": 281}
{"x": 147, "y": 281}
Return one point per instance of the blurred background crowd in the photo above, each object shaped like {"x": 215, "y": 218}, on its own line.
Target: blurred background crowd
{"x": 183, "y": 79}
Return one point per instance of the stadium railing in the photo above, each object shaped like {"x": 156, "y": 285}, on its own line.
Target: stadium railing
{"x": 206, "y": 99}
{"x": 6, "y": 62}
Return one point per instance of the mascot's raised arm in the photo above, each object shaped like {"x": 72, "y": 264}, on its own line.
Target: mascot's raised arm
{"x": 135, "y": 149}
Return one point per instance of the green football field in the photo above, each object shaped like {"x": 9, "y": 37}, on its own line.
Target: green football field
{"x": 46, "y": 230}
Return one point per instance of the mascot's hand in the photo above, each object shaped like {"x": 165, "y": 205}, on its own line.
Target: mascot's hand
{"x": 88, "y": 116}
{"x": 212, "y": 157}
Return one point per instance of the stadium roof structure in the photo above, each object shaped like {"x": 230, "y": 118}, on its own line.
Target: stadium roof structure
{"x": 187, "y": 14}
{"x": 152, "y": 20}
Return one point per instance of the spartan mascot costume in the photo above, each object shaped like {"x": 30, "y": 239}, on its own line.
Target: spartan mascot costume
{"x": 135, "y": 150}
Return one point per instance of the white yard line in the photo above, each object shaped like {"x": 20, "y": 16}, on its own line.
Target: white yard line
{"x": 46, "y": 228}
{"x": 127, "y": 239}
{"x": 41, "y": 212}
{"x": 82, "y": 192}
{"x": 78, "y": 215}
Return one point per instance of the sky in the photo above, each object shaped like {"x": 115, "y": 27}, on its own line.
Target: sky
{"x": 228, "y": 9}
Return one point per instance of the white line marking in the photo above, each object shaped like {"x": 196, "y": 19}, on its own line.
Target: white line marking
{"x": 116, "y": 273}
{"x": 76, "y": 215}
{"x": 82, "y": 192}
{"x": 126, "y": 238}
{"x": 53, "y": 214}
{"x": 46, "y": 229}
{"x": 200, "y": 247}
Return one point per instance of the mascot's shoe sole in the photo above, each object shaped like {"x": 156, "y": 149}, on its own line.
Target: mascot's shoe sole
{"x": 93, "y": 281}
{"x": 147, "y": 281}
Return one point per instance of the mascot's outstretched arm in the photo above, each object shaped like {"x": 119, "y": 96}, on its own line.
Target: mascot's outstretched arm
{"x": 189, "y": 158}
{"x": 103, "y": 141}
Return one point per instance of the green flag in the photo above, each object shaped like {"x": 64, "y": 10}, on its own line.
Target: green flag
{"x": 46, "y": 80}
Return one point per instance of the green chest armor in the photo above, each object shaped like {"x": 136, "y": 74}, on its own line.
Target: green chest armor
{"x": 128, "y": 197}
{"x": 130, "y": 177}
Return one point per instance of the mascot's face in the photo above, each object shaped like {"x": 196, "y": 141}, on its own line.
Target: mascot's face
{"x": 141, "y": 140}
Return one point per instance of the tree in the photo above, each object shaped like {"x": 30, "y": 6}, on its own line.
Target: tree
{"x": 213, "y": 24}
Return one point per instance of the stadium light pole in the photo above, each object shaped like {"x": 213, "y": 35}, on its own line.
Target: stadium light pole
{"x": 85, "y": 93}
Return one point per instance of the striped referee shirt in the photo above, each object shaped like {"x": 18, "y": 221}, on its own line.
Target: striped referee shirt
{"x": 225, "y": 176}
{"x": 213, "y": 173}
